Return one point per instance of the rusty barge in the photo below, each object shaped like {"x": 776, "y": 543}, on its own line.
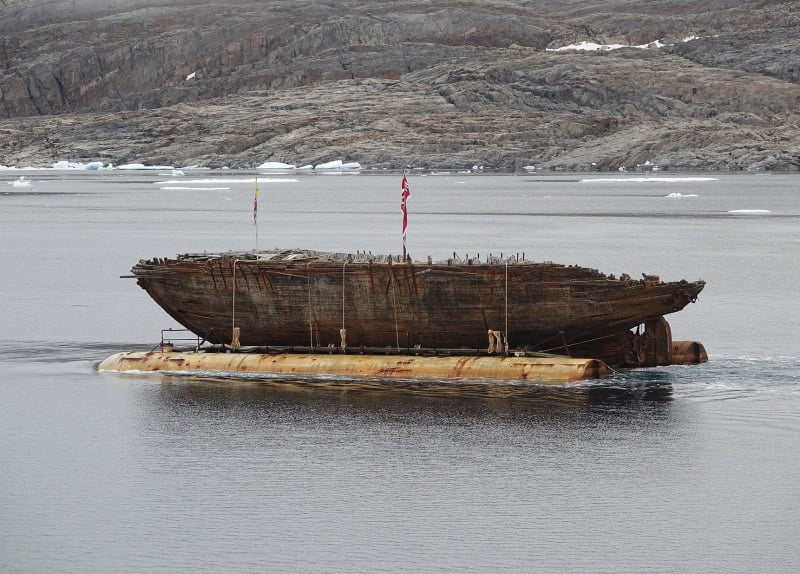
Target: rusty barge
{"x": 292, "y": 302}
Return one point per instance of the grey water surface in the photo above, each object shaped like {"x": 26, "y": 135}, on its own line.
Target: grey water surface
{"x": 677, "y": 469}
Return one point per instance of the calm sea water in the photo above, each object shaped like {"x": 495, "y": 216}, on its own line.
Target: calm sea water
{"x": 675, "y": 469}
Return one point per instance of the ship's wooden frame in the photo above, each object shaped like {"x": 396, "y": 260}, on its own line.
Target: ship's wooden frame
{"x": 318, "y": 300}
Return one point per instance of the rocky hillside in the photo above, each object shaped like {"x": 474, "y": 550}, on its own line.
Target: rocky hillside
{"x": 389, "y": 83}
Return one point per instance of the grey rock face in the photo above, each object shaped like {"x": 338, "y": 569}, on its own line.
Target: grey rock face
{"x": 388, "y": 84}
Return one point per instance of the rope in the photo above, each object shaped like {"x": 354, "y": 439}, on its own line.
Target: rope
{"x": 234, "y": 328}
{"x": 394, "y": 297}
{"x": 343, "y": 331}
{"x": 235, "y": 340}
{"x": 310, "y": 317}
{"x": 497, "y": 342}
{"x": 506, "y": 331}
{"x": 579, "y": 342}
{"x": 343, "y": 266}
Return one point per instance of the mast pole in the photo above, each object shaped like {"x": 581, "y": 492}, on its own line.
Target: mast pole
{"x": 255, "y": 210}
{"x": 405, "y": 193}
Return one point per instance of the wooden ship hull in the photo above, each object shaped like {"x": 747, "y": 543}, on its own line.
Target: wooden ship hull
{"x": 315, "y": 301}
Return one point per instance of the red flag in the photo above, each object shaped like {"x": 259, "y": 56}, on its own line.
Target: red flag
{"x": 403, "y": 196}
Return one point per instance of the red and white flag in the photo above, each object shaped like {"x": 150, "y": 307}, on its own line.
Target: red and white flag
{"x": 403, "y": 197}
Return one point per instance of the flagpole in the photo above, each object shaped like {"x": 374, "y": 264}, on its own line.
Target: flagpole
{"x": 405, "y": 193}
{"x": 255, "y": 210}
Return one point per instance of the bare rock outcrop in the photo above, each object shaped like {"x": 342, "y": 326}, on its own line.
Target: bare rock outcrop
{"x": 389, "y": 84}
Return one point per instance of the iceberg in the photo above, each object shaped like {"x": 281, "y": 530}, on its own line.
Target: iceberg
{"x": 338, "y": 166}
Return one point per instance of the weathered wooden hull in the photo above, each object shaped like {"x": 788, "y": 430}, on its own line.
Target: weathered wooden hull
{"x": 307, "y": 299}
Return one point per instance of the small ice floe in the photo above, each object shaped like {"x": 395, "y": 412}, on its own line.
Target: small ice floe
{"x": 185, "y": 183}
{"x": 678, "y": 194}
{"x": 141, "y": 166}
{"x": 91, "y": 166}
{"x": 20, "y": 182}
{"x": 648, "y": 179}
{"x": 647, "y": 166}
{"x": 277, "y": 166}
{"x": 749, "y": 211}
{"x": 186, "y": 188}
{"x": 338, "y": 166}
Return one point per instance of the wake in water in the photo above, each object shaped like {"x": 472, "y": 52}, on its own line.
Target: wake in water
{"x": 723, "y": 378}
{"x": 746, "y": 374}
{"x": 64, "y": 352}
{"x": 755, "y": 373}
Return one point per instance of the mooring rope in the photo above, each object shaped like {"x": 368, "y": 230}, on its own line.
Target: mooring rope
{"x": 561, "y": 346}
{"x": 343, "y": 330}
{"x": 506, "y": 331}
{"x": 497, "y": 342}
{"x": 310, "y": 317}
{"x": 235, "y": 344}
{"x": 343, "y": 266}
{"x": 394, "y": 297}
{"x": 234, "y": 328}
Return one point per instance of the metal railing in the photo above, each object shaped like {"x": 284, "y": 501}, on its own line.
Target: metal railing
{"x": 170, "y": 338}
